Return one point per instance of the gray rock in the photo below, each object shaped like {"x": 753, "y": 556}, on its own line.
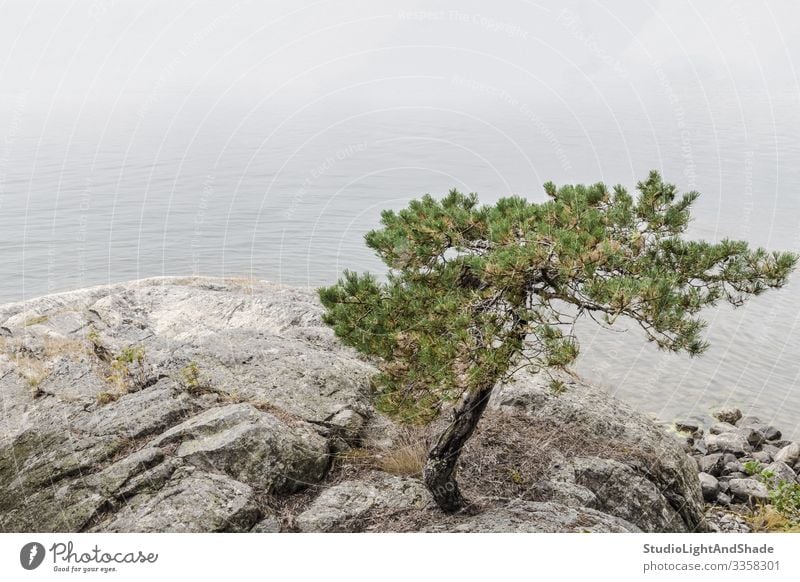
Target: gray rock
{"x": 748, "y": 490}
{"x": 790, "y": 454}
{"x": 721, "y": 428}
{"x": 762, "y": 457}
{"x": 341, "y": 507}
{"x": 728, "y": 414}
{"x": 733, "y": 443}
{"x": 623, "y": 492}
{"x": 270, "y": 524}
{"x": 753, "y": 437}
{"x": 782, "y": 471}
{"x": 520, "y": 516}
{"x": 687, "y": 425}
{"x": 748, "y": 422}
{"x": 712, "y": 464}
{"x": 251, "y": 446}
{"x": 191, "y": 501}
{"x": 564, "y": 493}
{"x": 652, "y": 454}
{"x": 709, "y": 486}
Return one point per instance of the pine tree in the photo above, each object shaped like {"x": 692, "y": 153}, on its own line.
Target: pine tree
{"x": 474, "y": 293}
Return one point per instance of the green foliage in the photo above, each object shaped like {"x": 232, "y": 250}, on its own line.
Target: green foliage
{"x": 474, "y": 293}
{"x": 189, "y": 379}
{"x": 785, "y": 498}
{"x": 752, "y": 467}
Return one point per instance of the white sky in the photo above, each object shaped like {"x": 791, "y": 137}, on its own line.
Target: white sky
{"x": 102, "y": 52}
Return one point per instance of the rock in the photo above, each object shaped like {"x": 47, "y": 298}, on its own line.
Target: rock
{"x": 762, "y": 457}
{"x": 771, "y": 433}
{"x": 520, "y": 516}
{"x": 782, "y": 471}
{"x": 624, "y": 493}
{"x": 712, "y": 464}
{"x": 748, "y": 490}
{"x": 721, "y": 428}
{"x": 251, "y": 446}
{"x": 191, "y": 501}
{"x": 564, "y": 493}
{"x": 709, "y": 486}
{"x": 748, "y": 422}
{"x": 723, "y": 499}
{"x": 341, "y": 507}
{"x": 690, "y": 426}
{"x": 700, "y": 446}
{"x": 728, "y": 414}
{"x": 733, "y": 443}
{"x": 753, "y": 437}
{"x": 724, "y": 485}
{"x": 790, "y": 454}
{"x": 270, "y": 524}
{"x": 649, "y": 453}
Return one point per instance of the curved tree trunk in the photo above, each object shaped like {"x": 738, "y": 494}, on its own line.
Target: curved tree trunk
{"x": 442, "y": 460}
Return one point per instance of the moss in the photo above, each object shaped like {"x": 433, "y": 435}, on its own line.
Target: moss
{"x": 36, "y": 320}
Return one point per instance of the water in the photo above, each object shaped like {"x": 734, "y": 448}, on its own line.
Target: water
{"x": 286, "y": 194}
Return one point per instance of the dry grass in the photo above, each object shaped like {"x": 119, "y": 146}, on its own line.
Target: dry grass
{"x": 33, "y": 371}
{"x": 104, "y": 398}
{"x": 409, "y": 456}
{"x": 766, "y": 519}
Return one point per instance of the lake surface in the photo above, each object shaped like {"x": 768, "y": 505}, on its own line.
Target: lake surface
{"x": 286, "y": 194}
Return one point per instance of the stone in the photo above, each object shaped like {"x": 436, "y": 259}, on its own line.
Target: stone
{"x": 690, "y": 426}
{"x": 622, "y": 492}
{"x": 721, "y": 428}
{"x": 712, "y": 464}
{"x": 753, "y": 437}
{"x": 341, "y": 507}
{"x": 709, "y": 486}
{"x": 782, "y": 471}
{"x": 733, "y": 443}
{"x": 251, "y": 446}
{"x": 190, "y": 502}
{"x": 728, "y": 414}
{"x": 519, "y": 516}
{"x": 769, "y": 433}
{"x": 269, "y": 524}
{"x": 747, "y": 490}
{"x": 790, "y": 454}
{"x": 748, "y": 422}
{"x": 762, "y": 457}
{"x": 723, "y": 499}
{"x": 586, "y": 409}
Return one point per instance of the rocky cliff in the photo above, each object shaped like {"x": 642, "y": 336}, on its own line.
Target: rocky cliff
{"x": 200, "y": 405}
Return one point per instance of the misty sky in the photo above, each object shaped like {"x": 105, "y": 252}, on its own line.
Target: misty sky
{"x": 113, "y": 55}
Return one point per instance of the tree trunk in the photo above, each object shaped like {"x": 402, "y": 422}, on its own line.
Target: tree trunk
{"x": 442, "y": 460}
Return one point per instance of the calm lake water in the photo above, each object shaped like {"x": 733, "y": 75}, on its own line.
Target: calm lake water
{"x": 287, "y": 194}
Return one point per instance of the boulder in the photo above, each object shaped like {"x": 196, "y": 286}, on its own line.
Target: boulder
{"x": 521, "y": 516}
{"x": 733, "y": 443}
{"x": 190, "y": 502}
{"x": 709, "y": 486}
{"x": 728, "y": 414}
{"x": 343, "y": 506}
{"x": 748, "y": 490}
{"x": 651, "y": 479}
{"x": 721, "y": 428}
{"x": 790, "y": 454}
{"x": 712, "y": 464}
{"x": 781, "y": 471}
{"x": 622, "y": 491}
{"x": 251, "y": 446}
